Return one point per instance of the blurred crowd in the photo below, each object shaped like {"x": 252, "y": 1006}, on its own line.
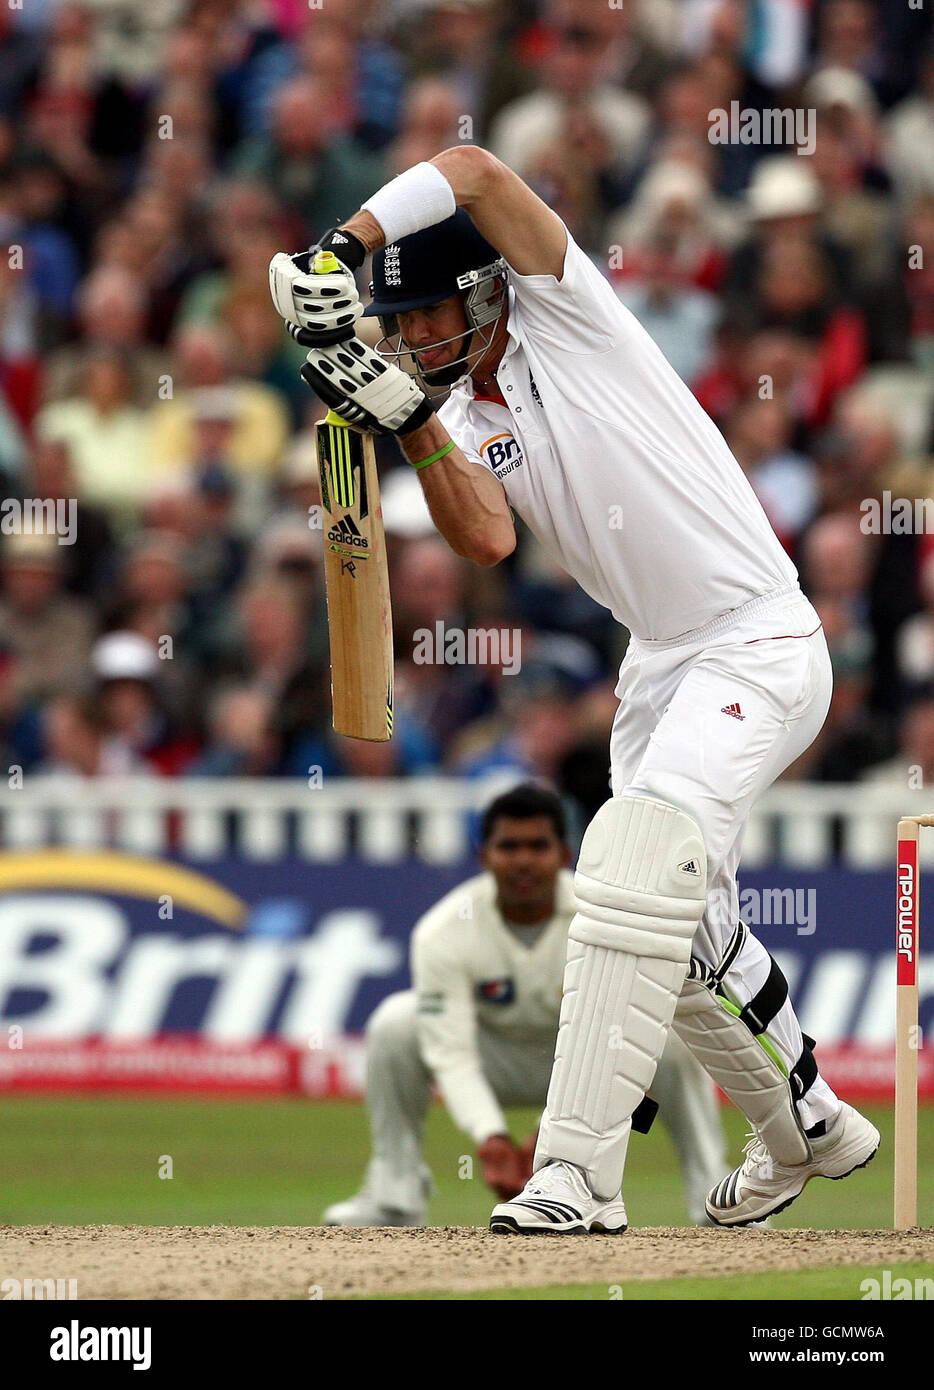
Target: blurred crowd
{"x": 154, "y": 156}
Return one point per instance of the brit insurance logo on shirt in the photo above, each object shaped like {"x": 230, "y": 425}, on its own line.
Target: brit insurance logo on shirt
{"x": 502, "y": 453}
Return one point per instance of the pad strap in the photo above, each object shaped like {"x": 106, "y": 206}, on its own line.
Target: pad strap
{"x": 804, "y": 1072}
{"x": 770, "y": 999}
{"x": 735, "y": 944}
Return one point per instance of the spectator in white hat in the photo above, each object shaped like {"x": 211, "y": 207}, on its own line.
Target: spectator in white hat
{"x": 138, "y": 735}
{"x": 782, "y": 201}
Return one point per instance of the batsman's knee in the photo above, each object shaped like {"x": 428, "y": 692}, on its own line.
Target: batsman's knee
{"x": 641, "y": 879}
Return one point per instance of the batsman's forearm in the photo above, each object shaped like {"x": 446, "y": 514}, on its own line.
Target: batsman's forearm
{"x": 467, "y": 502}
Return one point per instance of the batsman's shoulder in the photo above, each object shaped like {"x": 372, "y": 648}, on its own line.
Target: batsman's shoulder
{"x": 579, "y": 310}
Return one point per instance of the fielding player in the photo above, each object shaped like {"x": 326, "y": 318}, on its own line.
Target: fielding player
{"x": 480, "y": 1023}
{"x": 565, "y": 410}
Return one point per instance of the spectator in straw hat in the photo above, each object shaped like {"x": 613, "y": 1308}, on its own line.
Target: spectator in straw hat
{"x": 48, "y": 631}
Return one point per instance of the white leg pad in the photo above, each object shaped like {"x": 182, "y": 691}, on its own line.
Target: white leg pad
{"x": 743, "y": 1069}
{"x": 640, "y": 886}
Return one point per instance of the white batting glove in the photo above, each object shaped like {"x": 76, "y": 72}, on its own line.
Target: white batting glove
{"x": 319, "y": 308}
{"x": 375, "y": 395}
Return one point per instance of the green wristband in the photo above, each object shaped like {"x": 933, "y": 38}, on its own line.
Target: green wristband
{"x": 433, "y": 458}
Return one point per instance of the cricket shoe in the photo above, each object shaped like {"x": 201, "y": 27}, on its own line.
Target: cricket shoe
{"x": 364, "y": 1210}
{"x": 760, "y": 1187}
{"x": 556, "y": 1201}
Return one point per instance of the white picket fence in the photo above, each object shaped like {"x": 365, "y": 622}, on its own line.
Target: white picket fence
{"x": 388, "y": 820}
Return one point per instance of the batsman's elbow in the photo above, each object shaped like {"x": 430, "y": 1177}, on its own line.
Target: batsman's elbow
{"x": 470, "y": 170}
{"x": 489, "y": 550}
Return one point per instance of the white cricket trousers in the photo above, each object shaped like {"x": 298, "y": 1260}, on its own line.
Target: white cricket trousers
{"x": 707, "y": 722}
{"x": 399, "y": 1088}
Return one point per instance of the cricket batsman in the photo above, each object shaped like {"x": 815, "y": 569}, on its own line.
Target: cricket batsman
{"x": 480, "y": 1023}
{"x": 564, "y": 410}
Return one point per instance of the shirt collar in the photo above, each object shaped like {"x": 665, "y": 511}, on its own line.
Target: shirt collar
{"x": 512, "y": 343}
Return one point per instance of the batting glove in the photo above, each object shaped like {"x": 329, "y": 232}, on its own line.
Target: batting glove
{"x": 367, "y": 391}
{"x": 318, "y": 309}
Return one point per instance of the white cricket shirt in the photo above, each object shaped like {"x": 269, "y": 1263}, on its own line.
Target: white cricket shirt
{"x": 611, "y": 462}
{"x": 470, "y": 971}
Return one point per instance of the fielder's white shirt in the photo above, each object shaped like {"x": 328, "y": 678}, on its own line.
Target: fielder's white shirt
{"x": 612, "y": 463}
{"x": 470, "y": 971}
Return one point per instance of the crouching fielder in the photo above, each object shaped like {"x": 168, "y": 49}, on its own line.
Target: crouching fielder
{"x": 564, "y": 409}
{"x": 480, "y": 1023}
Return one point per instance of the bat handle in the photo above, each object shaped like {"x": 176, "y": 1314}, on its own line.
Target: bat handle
{"x": 326, "y": 263}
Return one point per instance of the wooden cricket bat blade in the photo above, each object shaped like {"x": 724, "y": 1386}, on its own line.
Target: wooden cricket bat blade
{"x": 356, "y": 577}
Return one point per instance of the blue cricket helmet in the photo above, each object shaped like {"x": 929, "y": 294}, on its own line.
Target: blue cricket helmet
{"x": 425, "y": 268}
{"x": 431, "y": 265}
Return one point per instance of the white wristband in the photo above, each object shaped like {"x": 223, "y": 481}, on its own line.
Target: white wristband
{"x": 416, "y": 199}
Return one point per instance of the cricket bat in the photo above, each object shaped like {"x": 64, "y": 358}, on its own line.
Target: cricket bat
{"x": 356, "y": 578}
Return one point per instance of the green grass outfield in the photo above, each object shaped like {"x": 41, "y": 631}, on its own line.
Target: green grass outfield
{"x": 89, "y": 1160}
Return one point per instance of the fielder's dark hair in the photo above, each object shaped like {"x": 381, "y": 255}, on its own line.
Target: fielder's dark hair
{"x": 522, "y": 803}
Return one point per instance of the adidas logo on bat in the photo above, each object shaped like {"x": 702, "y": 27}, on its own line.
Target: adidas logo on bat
{"x": 346, "y": 532}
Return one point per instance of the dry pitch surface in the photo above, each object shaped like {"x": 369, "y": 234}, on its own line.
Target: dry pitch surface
{"x": 221, "y": 1262}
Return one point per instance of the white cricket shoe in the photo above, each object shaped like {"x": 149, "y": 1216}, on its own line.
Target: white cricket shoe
{"x": 364, "y": 1210}
{"x": 556, "y": 1201}
{"x": 761, "y": 1187}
